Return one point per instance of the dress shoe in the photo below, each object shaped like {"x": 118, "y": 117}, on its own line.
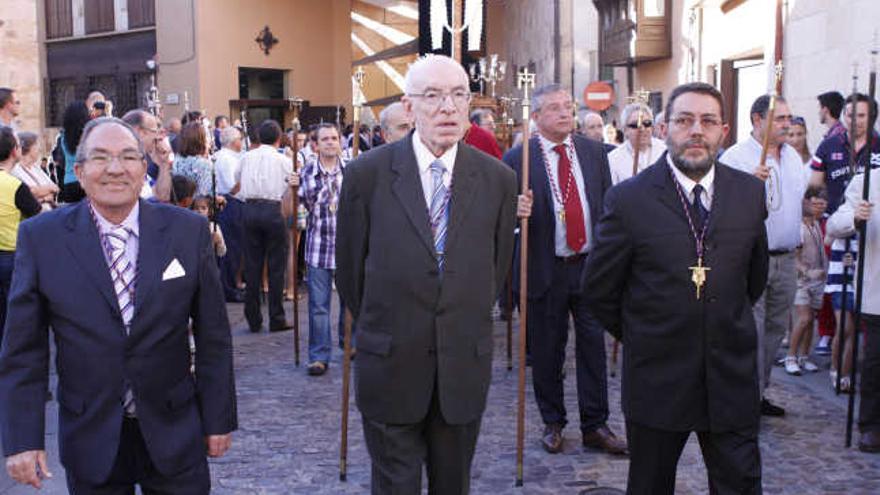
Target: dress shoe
{"x": 869, "y": 441}
{"x": 317, "y": 368}
{"x": 604, "y": 439}
{"x": 770, "y": 409}
{"x": 256, "y": 329}
{"x": 281, "y": 327}
{"x": 552, "y": 439}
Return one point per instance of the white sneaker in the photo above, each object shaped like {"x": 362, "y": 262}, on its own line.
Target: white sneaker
{"x": 791, "y": 365}
{"x": 807, "y": 365}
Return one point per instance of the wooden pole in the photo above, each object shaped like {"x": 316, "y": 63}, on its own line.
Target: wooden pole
{"x": 455, "y": 45}
{"x": 508, "y": 314}
{"x": 525, "y": 82}
{"x": 294, "y": 234}
{"x": 348, "y": 320}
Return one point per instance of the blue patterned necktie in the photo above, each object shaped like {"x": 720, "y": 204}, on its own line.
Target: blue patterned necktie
{"x": 439, "y": 210}
{"x": 122, "y": 274}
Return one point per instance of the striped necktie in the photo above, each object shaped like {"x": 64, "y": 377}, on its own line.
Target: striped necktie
{"x": 439, "y": 210}
{"x": 121, "y": 271}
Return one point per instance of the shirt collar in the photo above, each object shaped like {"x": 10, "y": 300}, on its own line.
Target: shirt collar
{"x": 131, "y": 222}
{"x": 687, "y": 183}
{"x": 549, "y": 145}
{"x": 424, "y": 157}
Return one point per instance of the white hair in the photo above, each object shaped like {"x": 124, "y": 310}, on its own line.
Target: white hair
{"x": 386, "y": 112}
{"x": 634, "y": 108}
{"x": 229, "y": 135}
{"x": 424, "y": 63}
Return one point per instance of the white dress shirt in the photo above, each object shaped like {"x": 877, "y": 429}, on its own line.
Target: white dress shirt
{"x": 264, "y": 173}
{"x": 424, "y": 159}
{"x": 785, "y": 190}
{"x": 561, "y": 242}
{"x": 228, "y": 165}
{"x": 621, "y": 159}
{"x": 688, "y": 184}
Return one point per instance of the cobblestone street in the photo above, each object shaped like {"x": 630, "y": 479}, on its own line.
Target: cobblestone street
{"x": 289, "y": 435}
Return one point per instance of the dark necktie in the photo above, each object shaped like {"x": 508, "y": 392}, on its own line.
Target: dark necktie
{"x": 698, "y": 211}
{"x": 575, "y": 232}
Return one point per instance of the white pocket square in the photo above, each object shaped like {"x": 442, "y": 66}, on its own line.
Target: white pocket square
{"x": 174, "y": 270}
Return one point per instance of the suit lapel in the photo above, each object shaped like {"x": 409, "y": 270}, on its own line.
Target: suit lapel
{"x": 720, "y": 193}
{"x": 665, "y": 188}
{"x": 592, "y": 183}
{"x": 538, "y": 179}
{"x": 153, "y": 246}
{"x": 463, "y": 188}
{"x": 86, "y": 248}
{"x": 407, "y": 188}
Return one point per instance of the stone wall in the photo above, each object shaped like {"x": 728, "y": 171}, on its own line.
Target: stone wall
{"x": 20, "y": 59}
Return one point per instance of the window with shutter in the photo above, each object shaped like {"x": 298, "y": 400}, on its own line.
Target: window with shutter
{"x": 99, "y": 16}
{"x": 59, "y": 19}
{"x": 141, "y": 13}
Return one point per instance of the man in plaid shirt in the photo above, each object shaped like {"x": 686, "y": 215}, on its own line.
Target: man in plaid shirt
{"x": 321, "y": 181}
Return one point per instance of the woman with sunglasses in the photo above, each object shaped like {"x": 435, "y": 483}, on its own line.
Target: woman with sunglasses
{"x": 639, "y": 121}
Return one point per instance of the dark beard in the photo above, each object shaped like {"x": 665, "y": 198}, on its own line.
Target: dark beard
{"x": 694, "y": 170}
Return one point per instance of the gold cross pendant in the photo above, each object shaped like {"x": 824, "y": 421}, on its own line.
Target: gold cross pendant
{"x": 698, "y": 275}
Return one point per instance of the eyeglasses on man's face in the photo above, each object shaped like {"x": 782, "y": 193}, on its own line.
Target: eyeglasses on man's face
{"x": 434, "y": 98}
{"x": 686, "y": 122}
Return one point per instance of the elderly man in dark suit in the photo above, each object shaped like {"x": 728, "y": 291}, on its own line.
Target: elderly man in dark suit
{"x": 569, "y": 175}
{"x": 680, "y": 257}
{"x": 118, "y": 280}
{"x": 425, "y": 239}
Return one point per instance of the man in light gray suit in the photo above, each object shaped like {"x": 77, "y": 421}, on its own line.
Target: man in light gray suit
{"x": 424, "y": 242}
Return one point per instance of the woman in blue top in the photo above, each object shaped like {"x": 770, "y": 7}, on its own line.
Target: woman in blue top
{"x": 76, "y": 116}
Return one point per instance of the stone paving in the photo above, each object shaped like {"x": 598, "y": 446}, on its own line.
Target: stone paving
{"x": 289, "y": 435}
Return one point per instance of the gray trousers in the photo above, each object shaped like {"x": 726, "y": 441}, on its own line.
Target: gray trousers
{"x": 772, "y": 312}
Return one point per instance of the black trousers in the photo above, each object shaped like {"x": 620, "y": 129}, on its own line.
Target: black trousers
{"x": 134, "y": 467}
{"x": 732, "y": 458}
{"x": 869, "y": 405}
{"x": 547, "y": 322}
{"x": 265, "y": 240}
{"x": 230, "y": 221}
{"x": 398, "y": 453}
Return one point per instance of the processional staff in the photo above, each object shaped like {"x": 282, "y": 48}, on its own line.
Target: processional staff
{"x": 359, "y": 77}
{"x": 296, "y": 106}
{"x": 863, "y": 235}
{"x": 525, "y": 82}
{"x": 768, "y": 128}
{"x": 853, "y": 166}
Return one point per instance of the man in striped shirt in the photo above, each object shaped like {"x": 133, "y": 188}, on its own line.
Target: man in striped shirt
{"x": 321, "y": 181}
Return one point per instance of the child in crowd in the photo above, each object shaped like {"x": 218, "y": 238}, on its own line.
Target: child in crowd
{"x": 202, "y": 206}
{"x": 182, "y": 191}
{"x": 812, "y": 266}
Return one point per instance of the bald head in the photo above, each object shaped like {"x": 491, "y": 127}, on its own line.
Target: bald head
{"x": 432, "y": 67}
{"x": 395, "y": 122}
{"x": 593, "y": 125}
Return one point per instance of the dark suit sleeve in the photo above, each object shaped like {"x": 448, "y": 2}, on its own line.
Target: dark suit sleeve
{"x": 352, "y": 237}
{"x": 608, "y": 265}
{"x": 24, "y": 362}
{"x": 214, "y": 373}
{"x": 504, "y": 238}
{"x": 760, "y": 260}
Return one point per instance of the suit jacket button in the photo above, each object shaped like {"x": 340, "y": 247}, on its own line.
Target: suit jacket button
{"x": 713, "y": 299}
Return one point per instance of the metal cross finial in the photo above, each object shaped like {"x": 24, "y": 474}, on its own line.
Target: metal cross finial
{"x": 525, "y": 81}
{"x": 640, "y": 96}
{"x": 359, "y": 77}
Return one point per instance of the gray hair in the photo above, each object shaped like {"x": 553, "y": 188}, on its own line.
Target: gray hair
{"x": 634, "y": 108}
{"x": 100, "y": 121}
{"x": 229, "y": 135}
{"x": 385, "y": 114}
{"x": 423, "y": 63}
{"x": 135, "y": 118}
{"x": 537, "y": 99}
